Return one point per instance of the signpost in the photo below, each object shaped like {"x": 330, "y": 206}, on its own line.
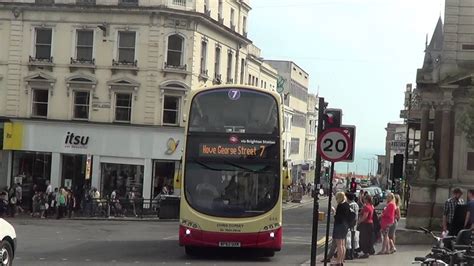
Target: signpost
{"x": 335, "y": 144}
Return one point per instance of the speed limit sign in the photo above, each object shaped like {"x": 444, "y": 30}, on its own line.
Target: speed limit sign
{"x": 334, "y": 145}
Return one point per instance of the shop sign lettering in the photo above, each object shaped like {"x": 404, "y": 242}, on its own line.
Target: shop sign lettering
{"x": 75, "y": 141}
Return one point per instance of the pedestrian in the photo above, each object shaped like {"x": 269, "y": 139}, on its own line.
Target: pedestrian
{"x": 354, "y": 239}
{"x": 71, "y": 204}
{"x": 393, "y": 228}
{"x": 61, "y": 203}
{"x": 43, "y": 206}
{"x": 341, "y": 227}
{"x": 387, "y": 219}
{"x": 12, "y": 200}
{"x": 360, "y": 199}
{"x": 469, "y": 218}
{"x": 366, "y": 228}
{"x": 449, "y": 208}
{"x": 3, "y": 203}
{"x": 19, "y": 197}
{"x": 132, "y": 198}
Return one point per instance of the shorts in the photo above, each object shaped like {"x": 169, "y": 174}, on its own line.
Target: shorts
{"x": 392, "y": 229}
{"x": 384, "y": 231}
{"x": 339, "y": 231}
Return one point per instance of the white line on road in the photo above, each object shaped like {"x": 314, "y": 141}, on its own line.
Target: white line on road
{"x": 175, "y": 237}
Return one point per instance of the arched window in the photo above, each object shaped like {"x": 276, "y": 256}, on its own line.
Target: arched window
{"x": 175, "y": 51}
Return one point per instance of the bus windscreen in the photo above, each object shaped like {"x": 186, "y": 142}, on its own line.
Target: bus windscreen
{"x": 224, "y": 111}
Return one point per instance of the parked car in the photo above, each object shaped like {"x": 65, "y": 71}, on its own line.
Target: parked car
{"x": 8, "y": 244}
{"x": 376, "y": 194}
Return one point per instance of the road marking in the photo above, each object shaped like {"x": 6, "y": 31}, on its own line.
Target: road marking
{"x": 64, "y": 259}
{"x": 170, "y": 237}
{"x": 42, "y": 258}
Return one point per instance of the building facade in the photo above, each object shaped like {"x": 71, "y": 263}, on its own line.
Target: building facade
{"x": 91, "y": 92}
{"x": 443, "y": 94}
{"x": 294, "y": 84}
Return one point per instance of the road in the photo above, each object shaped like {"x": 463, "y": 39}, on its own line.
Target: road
{"x": 85, "y": 242}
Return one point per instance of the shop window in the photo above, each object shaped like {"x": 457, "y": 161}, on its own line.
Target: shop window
{"x": 123, "y": 107}
{"x": 40, "y": 103}
{"x": 74, "y": 173}
{"x": 31, "y": 170}
{"x": 124, "y": 178}
{"x": 81, "y": 105}
{"x": 163, "y": 178}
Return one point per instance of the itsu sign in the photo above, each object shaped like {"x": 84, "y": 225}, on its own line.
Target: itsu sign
{"x": 75, "y": 141}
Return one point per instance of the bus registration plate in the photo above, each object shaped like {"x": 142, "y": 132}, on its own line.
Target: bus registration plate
{"x": 229, "y": 244}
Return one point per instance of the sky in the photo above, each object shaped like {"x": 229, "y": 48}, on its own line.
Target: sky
{"x": 359, "y": 53}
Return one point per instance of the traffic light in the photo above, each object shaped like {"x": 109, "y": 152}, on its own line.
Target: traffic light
{"x": 353, "y": 185}
{"x": 332, "y": 118}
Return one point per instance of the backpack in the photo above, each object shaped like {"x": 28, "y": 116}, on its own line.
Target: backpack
{"x": 351, "y": 219}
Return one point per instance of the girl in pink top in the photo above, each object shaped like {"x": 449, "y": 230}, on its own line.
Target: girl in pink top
{"x": 387, "y": 219}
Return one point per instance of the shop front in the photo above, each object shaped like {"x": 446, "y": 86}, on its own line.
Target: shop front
{"x": 79, "y": 156}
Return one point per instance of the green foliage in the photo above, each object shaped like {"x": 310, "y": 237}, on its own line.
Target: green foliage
{"x": 466, "y": 123}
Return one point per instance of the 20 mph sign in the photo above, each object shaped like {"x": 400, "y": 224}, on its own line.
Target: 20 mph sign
{"x": 334, "y": 145}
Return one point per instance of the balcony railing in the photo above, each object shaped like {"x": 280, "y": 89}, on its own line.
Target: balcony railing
{"x": 41, "y": 60}
{"x": 217, "y": 79}
{"x": 125, "y": 63}
{"x": 81, "y": 61}
{"x": 44, "y": 2}
{"x": 181, "y": 4}
{"x": 175, "y": 67}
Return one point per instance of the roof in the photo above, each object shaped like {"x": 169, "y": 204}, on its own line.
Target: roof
{"x": 436, "y": 43}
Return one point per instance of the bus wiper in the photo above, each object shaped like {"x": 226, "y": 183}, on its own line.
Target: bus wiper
{"x": 209, "y": 167}
{"x": 246, "y": 168}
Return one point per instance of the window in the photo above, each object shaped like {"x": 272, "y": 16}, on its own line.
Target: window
{"x": 175, "y": 51}
{"x": 123, "y": 107}
{"x": 44, "y": 2}
{"x": 265, "y": 85}
{"x": 40, "y": 103}
{"x": 43, "y": 44}
{"x": 85, "y": 2}
{"x": 81, "y": 104}
{"x": 256, "y": 82}
{"x": 470, "y": 161}
{"x": 242, "y": 71}
{"x": 126, "y": 47}
{"x": 229, "y": 67}
{"x": 244, "y": 25}
{"x": 298, "y": 91}
{"x": 171, "y": 110}
{"x": 217, "y": 62}
{"x": 287, "y": 122}
{"x": 299, "y": 120}
{"x": 250, "y": 80}
{"x": 295, "y": 146}
{"x": 204, "y": 58}
{"x": 232, "y": 14}
{"x": 84, "y": 45}
{"x": 261, "y": 83}
{"x": 220, "y": 15}
{"x": 128, "y": 2}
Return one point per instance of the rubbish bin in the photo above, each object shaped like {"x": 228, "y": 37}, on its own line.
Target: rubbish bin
{"x": 169, "y": 207}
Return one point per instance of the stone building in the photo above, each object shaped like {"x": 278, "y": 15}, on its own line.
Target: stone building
{"x": 91, "y": 91}
{"x": 444, "y": 87}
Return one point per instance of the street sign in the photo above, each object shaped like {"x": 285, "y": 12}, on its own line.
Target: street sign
{"x": 334, "y": 145}
{"x": 351, "y": 131}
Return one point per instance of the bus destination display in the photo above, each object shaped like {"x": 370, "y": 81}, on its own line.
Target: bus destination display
{"x": 232, "y": 150}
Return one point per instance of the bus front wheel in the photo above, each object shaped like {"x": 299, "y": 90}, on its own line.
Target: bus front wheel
{"x": 190, "y": 251}
{"x": 269, "y": 253}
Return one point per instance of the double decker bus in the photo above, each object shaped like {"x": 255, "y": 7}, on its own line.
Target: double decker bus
{"x": 232, "y": 178}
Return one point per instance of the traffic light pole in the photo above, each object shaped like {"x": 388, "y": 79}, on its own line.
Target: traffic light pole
{"x": 328, "y": 215}
{"x": 317, "y": 180}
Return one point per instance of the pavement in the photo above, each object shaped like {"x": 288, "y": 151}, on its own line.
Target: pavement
{"x": 148, "y": 242}
{"x": 404, "y": 256}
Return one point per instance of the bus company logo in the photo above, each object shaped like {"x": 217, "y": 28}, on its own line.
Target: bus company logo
{"x": 233, "y": 139}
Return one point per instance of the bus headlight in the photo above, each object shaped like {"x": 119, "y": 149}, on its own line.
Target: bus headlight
{"x": 272, "y": 234}
{"x": 188, "y": 232}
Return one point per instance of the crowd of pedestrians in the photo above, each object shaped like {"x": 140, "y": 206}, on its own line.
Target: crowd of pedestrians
{"x": 63, "y": 202}
{"x": 358, "y": 226}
